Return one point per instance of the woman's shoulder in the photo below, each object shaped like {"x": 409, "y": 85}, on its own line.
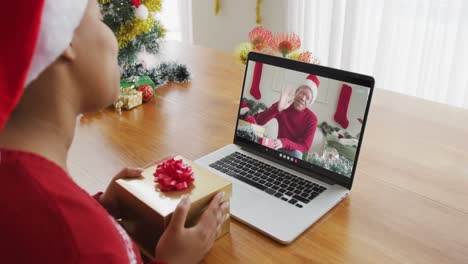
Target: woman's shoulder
{"x": 21, "y": 162}
{"x": 30, "y": 220}
{"x": 44, "y": 213}
{"x": 34, "y": 175}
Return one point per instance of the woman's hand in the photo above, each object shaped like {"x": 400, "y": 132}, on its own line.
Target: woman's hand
{"x": 109, "y": 198}
{"x": 189, "y": 245}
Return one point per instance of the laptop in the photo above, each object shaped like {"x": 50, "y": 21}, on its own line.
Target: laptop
{"x": 296, "y": 143}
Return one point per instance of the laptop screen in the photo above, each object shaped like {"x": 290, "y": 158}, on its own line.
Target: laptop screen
{"x": 305, "y": 115}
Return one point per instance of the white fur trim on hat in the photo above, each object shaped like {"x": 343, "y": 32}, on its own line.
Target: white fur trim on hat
{"x": 59, "y": 20}
{"x": 244, "y": 110}
{"x": 309, "y": 83}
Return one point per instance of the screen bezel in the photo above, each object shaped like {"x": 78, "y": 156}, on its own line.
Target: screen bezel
{"x": 322, "y": 71}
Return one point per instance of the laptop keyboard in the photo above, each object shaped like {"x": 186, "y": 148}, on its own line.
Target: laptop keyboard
{"x": 276, "y": 182}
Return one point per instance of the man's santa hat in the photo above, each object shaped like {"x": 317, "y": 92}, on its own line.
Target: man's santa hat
{"x": 36, "y": 33}
{"x": 312, "y": 82}
{"x": 244, "y": 108}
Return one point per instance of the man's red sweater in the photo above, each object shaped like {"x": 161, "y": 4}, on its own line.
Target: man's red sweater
{"x": 296, "y": 129}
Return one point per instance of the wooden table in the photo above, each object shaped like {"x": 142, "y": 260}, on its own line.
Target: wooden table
{"x": 409, "y": 203}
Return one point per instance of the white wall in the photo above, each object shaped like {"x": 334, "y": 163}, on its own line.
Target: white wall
{"x": 274, "y": 79}
{"x": 235, "y": 20}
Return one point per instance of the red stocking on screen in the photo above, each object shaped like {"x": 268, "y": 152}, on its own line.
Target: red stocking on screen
{"x": 257, "y": 75}
{"x": 341, "y": 114}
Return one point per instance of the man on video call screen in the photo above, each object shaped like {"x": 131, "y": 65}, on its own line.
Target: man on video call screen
{"x": 303, "y": 116}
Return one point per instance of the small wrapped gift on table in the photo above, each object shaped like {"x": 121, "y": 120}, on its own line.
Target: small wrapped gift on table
{"x": 129, "y": 98}
{"x": 147, "y": 206}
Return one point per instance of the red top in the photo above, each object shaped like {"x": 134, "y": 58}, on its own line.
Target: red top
{"x": 296, "y": 129}
{"x": 45, "y": 217}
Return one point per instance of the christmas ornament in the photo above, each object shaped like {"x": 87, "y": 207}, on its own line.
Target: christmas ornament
{"x": 134, "y": 29}
{"x": 173, "y": 175}
{"x": 147, "y": 92}
{"x": 341, "y": 114}
{"x": 137, "y": 29}
{"x": 141, "y": 12}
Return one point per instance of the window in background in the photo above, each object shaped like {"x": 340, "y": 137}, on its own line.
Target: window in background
{"x": 413, "y": 47}
{"x": 176, "y": 16}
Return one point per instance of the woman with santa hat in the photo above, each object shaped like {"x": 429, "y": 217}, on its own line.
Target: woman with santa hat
{"x": 58, "y": 59}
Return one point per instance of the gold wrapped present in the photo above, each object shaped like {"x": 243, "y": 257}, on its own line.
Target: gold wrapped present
{"x": 146, "y": 210}
{"x": 128, "y": 98}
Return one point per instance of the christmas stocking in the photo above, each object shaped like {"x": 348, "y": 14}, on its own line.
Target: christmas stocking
{"x": 341, "y": 114}
{"x": 257, "y": 75}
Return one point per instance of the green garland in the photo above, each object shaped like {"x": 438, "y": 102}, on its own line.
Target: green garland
{"x": 254, "y": 106}
{"x": 160, "y": 75}
{"x": 339, "y": 165}
{"x": 248, "y": 133}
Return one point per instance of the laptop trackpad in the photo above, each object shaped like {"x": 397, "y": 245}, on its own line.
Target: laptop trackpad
{"x": 245, "y": 202}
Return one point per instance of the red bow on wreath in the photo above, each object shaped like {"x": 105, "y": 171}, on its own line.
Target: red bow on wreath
{"x": 173, "y": 175}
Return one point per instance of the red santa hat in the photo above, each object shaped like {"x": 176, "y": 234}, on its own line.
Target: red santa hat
{"x": 244, "y": 108}
{"x": 36, "y": 32}
{"x": 312, "y": 82}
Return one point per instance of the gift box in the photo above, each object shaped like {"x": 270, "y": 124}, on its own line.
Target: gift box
{"x": 129, "y": 98}
{"x": 267, "y": 142}
{"x": 146, "y": 210}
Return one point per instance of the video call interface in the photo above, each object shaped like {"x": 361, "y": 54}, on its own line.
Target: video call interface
{"x": 304, "y": 117}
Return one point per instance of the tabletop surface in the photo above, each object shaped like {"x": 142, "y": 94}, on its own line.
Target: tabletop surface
{"x": 409, "y": 202}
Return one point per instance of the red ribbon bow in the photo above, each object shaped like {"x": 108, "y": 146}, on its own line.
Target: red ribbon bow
{"x": 173, "y": 175}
